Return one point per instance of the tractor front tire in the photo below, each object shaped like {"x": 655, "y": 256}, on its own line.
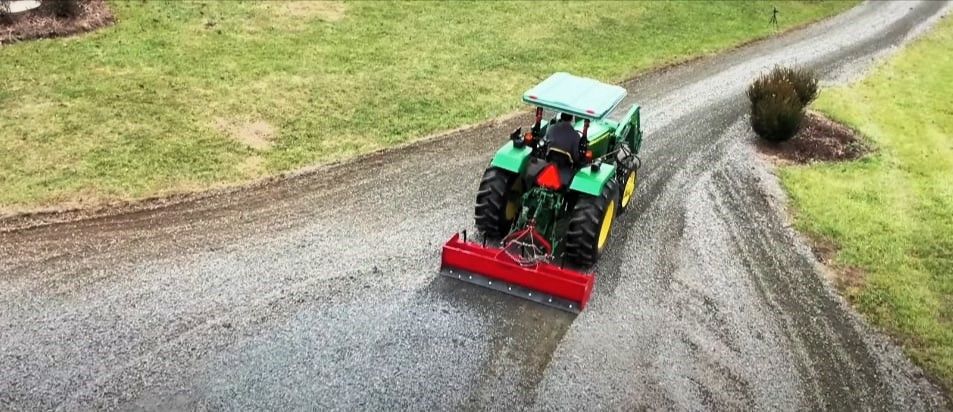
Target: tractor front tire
{"x": 497, "y": 202}
{"x": 590, "y": 225}
{"x": 627, "y": 189}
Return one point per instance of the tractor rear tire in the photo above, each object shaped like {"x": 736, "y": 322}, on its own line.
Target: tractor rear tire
{"x": 497, "y": 202}
{"x": 590, "y": 225}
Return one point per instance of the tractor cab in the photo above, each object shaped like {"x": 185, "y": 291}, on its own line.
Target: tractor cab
{"x": 588, "y": 102}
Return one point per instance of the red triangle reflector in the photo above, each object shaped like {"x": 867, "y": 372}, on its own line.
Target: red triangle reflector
{"x": 549, "y": 178}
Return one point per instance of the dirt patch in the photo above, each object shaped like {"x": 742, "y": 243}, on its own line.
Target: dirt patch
{"x": 824, "y": 250}
{"x": 846, "y": 278}
{"x": 329, "y": 11}
{"x": 256, "y": 134}
{"x": 850, "y": 278}
{"x": 820, "y": 139}
{"x": 42, "y": 23}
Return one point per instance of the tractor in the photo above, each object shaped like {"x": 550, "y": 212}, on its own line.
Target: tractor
{"x": 551, "y": 195}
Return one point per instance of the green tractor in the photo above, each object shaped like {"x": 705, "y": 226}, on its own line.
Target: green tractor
{"x": 551, "y": 194}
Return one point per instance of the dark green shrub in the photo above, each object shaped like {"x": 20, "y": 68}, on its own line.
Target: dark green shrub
{"x": 64, "y": 9}
{"x": 804, "y": 82}
{"x": 776, "y": 108}
{"x": 5, "y": 16}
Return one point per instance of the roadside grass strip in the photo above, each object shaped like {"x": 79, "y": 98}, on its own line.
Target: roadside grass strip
{"x": 890, "y": 214}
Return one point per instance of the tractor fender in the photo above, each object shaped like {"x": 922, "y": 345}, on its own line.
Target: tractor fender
{"x": 590, "y": 182}
{"x": 511, "y": 158}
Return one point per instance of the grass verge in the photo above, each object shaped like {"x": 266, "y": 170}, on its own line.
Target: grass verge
{"x": 890, "y": 214}
{"x": 186, "y": 95}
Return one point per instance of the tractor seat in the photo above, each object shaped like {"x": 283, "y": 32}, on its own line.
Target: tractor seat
{"x": 536, "y": 167}
{"x": 563, "y": 162}
{"x": 560, "y": 157}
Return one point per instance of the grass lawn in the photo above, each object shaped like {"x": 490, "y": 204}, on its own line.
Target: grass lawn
{"x": 891, "y": 214}
{"x": 186, "y": 95}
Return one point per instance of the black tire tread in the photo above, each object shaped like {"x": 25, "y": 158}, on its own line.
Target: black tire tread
{"x": 582, "y": 239}
{"x": 491, "y": 199}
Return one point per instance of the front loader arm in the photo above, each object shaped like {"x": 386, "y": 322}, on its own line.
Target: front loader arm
{"x": 630, "y": 129}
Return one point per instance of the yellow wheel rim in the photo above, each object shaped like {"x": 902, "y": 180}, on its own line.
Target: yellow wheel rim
{"x": 511, "y": 209}
{"x": 606, "y": 225}
{"x": 629, "y": 189}
{"x": 513, "y": 205}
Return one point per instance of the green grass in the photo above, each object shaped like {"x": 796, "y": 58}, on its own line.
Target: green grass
{"x": 891, "y": 214}
{"x": 146, "y": 107}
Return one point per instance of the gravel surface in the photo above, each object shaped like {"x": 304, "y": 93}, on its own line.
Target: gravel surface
{"x": 321, "y": 291}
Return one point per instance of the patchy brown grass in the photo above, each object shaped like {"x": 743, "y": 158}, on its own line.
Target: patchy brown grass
{"x": 307, "y": 10}
{"x": 42, "y": 23}
{"x": 845, "y": 278}
{"x": 257, "y": 134}
{"x": 824, "y": 250}
{"x": 252, "y": 166}
{"x": 330, "y": 11}
{"x": 821, "y": 139}
{"x": 851, "y": 278}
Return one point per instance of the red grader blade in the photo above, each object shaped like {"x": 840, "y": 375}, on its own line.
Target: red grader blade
{"x": 496, "y": 269}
